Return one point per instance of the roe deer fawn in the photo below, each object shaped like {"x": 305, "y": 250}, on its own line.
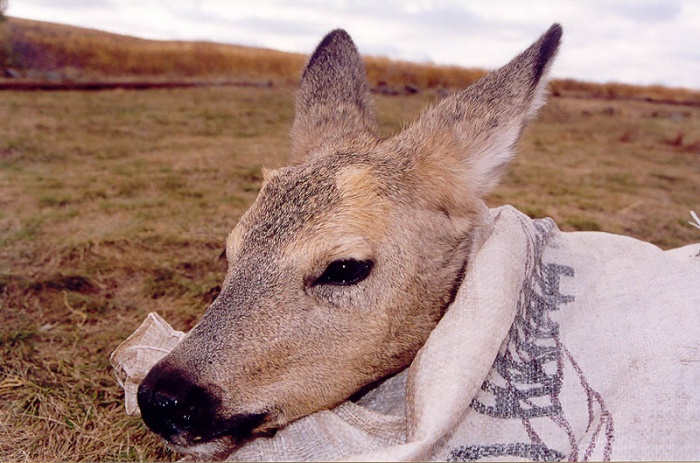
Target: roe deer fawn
{"x": 348, "y": 258}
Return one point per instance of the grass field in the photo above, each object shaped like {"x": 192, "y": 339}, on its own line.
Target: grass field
{"x": 115, "y": 204}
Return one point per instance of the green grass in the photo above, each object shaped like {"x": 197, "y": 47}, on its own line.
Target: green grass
{"x": 115, "y": 204}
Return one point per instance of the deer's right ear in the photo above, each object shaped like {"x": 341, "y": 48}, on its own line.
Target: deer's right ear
{"x": 333, "y": 103}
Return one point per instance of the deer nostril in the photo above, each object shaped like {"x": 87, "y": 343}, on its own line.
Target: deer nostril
{"x": 158, "y": 411}
{"x": 164, "y": 401}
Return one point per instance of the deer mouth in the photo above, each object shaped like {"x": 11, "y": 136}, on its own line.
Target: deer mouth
{"x": 187, "y": 415}
{"x": 226, "y": 435}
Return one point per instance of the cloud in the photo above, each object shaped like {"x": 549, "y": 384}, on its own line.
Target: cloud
{"x": 71, "y": 4}
{"x": 639, "y": 11}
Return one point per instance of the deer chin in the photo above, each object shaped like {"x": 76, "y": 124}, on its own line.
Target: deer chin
{"x": 228, "y": 434}
{"x": 214, "y": 450}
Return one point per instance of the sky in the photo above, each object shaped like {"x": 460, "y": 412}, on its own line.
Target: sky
{"x": 641, "y": 42}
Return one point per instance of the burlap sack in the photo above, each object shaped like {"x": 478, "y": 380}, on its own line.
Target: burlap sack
{"x": 558, "y": 346}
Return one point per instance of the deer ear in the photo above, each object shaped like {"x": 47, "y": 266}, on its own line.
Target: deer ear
{"x": 475, "y": 131}
{"x": 333, "y": 102}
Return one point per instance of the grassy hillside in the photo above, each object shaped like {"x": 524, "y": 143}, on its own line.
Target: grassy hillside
{"x": 87, "y": 54}
{"x": 78, "y": 53}
{"x": 58, "y": 52}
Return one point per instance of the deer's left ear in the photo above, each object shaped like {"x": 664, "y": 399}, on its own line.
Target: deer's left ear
{"x": 333, "y": 102}
{"x": 475, "y": 131}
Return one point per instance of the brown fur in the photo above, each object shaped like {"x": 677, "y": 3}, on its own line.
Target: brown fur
{"x": 276, "y": 343}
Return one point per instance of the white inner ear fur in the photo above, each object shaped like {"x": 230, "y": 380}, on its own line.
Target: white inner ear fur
{"x": 491, "y": 155}
{"x": 539, "y": 95}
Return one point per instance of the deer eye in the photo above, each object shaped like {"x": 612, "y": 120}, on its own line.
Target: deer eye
{"x": 345, "y": 272}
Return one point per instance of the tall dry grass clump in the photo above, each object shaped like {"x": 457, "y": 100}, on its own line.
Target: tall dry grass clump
{"x": 426, "y": 75}
{"x": 34, "y": 45}
{"x": 614, "y": 90}
{"x": 51, "y": 47}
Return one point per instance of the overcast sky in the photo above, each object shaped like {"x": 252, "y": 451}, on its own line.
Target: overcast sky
{"x": 633, "y": 41}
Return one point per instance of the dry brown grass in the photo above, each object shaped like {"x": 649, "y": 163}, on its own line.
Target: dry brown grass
{"x": 614, "y": 166}
{"x": 384, "y": 70}
{"x": 115, "y": 204}
{"x": 112, "y": 205}
{"x": 615, "y": 90}
{"x": 77, "y": 53}
{"x": 89, "y": 54}
{"x": 41, "y": 50}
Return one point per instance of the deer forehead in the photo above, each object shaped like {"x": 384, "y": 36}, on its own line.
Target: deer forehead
{"x": 314, "y": 215}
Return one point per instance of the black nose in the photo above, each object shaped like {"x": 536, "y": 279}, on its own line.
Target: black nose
{"x": 172, "y": 404}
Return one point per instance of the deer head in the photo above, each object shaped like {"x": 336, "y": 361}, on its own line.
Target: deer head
{"x": 348, "y": 258}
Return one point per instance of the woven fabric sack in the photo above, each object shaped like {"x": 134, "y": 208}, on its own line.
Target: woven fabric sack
{"x": 558, "y": 346}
